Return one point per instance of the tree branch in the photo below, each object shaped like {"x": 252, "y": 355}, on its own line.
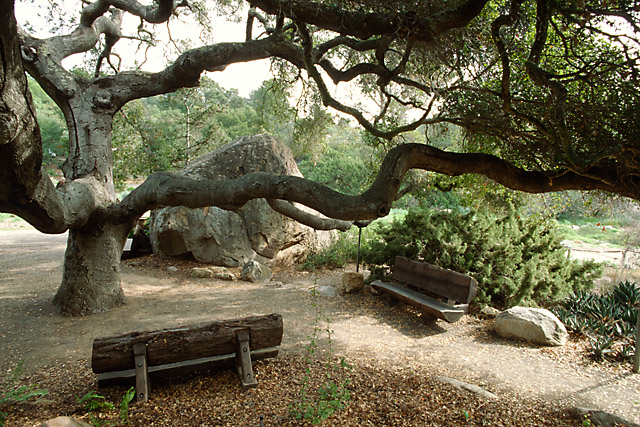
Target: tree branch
{"x": 364, "y": 25}
{"x": 160, "y": 12}
{"x": 185, "y": 71}
{"x": 168, "y": 189}
{"x": 314, "y": 221}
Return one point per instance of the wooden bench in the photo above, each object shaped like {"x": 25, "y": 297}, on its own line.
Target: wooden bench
{"x": 438, "y": 282}
{"x": 187, "y": 349}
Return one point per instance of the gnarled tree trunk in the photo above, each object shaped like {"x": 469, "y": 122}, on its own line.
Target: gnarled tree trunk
{"x": 91, "y": 278}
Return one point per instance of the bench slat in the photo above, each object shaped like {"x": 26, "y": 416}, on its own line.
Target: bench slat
{"x": 447, "y": 283}
{"x": 177, "y": 369}
{"x": 432, "y": 306}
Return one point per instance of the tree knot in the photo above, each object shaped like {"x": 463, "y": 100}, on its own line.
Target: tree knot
{"x": 383, "y": 210}
{"x": 103, "y": 99}
{"x": 28, "y": 53}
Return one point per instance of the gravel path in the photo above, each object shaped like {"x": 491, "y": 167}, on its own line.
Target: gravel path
{"x": 365, "y": 329}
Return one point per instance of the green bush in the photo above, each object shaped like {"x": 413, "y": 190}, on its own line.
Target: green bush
{"x": 608, "y": 320}
{"x": 342, "y": 251}
{"x": 516, "y": 261}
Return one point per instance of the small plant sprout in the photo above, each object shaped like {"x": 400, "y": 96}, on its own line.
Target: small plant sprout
{"x": 12, "y": 391}
{"x": 320, "y": 399}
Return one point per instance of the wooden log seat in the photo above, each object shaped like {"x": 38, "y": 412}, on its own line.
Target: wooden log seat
{"x": 415, "y": 278}
{"x": 187, "y": 349}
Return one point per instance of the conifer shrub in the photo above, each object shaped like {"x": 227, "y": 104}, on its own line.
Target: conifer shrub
{"x": 516, "y": 260}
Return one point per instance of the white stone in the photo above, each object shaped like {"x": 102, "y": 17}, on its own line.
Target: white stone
{"x": 326, "y": 291}
{"x": 201, "y": 272}
{"x": 536, "y": 325}
{"x": 488, "y": 312}
{"x": 224, "y": 275}
{"x": 352, "y": 282}
{"x": 468, "y": 387}
{"x": 253, "y": 271}
{"x": 64, "y": 422}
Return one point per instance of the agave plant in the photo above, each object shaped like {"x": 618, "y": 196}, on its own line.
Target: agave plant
{"x": 609, "y": 320}
{"x": 626, "y": 293}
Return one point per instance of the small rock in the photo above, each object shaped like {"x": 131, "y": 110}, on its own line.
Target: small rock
{"x": 602, "y": 418}
{"x": 352, "y": 282}
{"x": 253, "y": 271}
{"x": 172, "y": 269}
{"x": 488, "y": 312}
{"x": 224, "y": 275}
{"x": 45, "y": 402}
{"x": 326, "y": 291}
{"x": 275, "y": 284}
{"x": 64, "y": 422}
{"x": 531, "y": 324}
{"x": 201, "y": 272}
{"x": 468, "y": 387}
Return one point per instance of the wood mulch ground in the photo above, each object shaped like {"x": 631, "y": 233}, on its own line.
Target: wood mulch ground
{"x": 379, "y": 396}
{"x": 394, "y": 358}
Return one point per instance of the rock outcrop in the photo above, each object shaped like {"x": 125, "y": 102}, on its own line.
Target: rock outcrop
{"x": 255, "y": 232}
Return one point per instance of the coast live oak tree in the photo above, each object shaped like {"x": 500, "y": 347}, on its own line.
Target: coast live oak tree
{"x": 546, "y": 93}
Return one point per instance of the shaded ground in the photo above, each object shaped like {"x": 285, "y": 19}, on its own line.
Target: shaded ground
{"x": 393, "y": 352}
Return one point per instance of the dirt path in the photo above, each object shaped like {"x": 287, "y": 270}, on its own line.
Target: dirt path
{"x": 365, "y": 328}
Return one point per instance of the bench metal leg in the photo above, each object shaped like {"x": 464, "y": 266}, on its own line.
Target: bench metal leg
{"x": 390, "y": 300}
{"x": 427, "y": 318}
{"x": 243, "y": 360}
{"x": 142, "y": 373}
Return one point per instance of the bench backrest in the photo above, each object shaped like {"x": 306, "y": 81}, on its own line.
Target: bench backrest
{"x": 440, "y": 281}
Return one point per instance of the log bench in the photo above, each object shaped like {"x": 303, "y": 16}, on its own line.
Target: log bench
{"x": 419, "y": 278}
{"x": 187, "y": 349}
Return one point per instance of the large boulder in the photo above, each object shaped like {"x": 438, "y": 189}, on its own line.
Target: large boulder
{"x": 255, "y": 232}
{"x": 536, "y": 325}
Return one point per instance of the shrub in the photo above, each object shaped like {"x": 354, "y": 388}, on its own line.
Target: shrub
{"x": 516, "y": 261}
{"x": 608, "y": 320}
{"x": 342, "y": 251}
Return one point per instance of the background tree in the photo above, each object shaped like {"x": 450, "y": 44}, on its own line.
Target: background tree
{"x": 546, "y": 93}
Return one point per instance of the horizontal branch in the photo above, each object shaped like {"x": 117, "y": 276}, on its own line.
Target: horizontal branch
{"x": 419, "y": 156}
{"x": 168, "y": 189}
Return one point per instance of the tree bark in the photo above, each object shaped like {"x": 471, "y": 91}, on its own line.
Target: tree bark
{"x": 91, "y": 276}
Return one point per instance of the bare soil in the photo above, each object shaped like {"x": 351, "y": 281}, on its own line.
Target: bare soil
{"x": 395, "y": 356}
